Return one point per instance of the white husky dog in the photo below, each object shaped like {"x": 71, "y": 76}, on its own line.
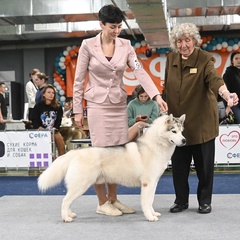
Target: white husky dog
{"x": 135, "y": 164}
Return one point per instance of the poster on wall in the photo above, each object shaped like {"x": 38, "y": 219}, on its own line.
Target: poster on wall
{"x": 154, "y": 65}
{"x": 25, "y": 149}
{"x": 228, "y": 145}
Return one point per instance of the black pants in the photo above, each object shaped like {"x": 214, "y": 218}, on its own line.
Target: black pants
{"x": 203, "y": 156}
{"x": 30, "y": 113}
{"x": 2, "y": 126}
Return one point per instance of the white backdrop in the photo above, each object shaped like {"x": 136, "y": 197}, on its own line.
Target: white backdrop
{"x": 228, "y": 144}
{"x": 25, "y": 149}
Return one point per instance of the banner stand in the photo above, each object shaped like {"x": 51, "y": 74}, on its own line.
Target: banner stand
{"x": 25, "y": 150}
{"x": 228, "y": 145}
{"x": 30, "y": 152}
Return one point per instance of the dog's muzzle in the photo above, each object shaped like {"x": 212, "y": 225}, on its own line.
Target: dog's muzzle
{"x": 184, "y": 141}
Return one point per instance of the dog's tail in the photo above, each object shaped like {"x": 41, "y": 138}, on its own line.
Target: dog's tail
{"x": 56, "y": 172}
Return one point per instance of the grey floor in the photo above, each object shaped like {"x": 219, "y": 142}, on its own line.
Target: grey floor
{"x": 38, "y": 217}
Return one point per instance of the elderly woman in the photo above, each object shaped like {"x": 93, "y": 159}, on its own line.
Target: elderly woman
{"x": 192, "y": 85}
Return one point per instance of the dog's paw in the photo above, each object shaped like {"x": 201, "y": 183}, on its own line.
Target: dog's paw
{"x": 154, "y": 213}
{"x": 72, "y": 215}
{"x": 157, "y": 214}
{"x": 68, "y": 220}
{"x": 152, "y": 219}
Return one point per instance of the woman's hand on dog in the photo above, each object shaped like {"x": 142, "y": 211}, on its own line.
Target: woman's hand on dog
{"x": 161, "y": 103}
{"x": 79, "y": 119}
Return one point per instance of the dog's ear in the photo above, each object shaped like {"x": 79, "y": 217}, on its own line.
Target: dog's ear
{"x": 169, "y": 119}
{"x": 182, "y": 118}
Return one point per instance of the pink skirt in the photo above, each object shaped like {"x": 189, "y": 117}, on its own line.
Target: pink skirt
{"x": 108, "y": 123}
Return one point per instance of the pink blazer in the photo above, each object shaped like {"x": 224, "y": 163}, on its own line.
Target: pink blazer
{"x": 105, "y": 77}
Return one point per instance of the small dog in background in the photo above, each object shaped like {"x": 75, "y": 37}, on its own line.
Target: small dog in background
{"x": 69, "y": 132}
{"x": 66, "y": 122}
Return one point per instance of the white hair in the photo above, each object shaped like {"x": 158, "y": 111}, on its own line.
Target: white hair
{"x": 184, "y": 29}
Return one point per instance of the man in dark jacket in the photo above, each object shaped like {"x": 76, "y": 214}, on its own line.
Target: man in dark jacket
{"x": 3, "y": 107}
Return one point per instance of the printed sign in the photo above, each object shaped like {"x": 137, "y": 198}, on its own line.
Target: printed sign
{"x": 154, "y": 66}
{"x": 228, "y": 144}
{"x": 25, "y": 149}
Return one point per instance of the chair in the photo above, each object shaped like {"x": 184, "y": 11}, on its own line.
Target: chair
{"x": 80, "y": 142}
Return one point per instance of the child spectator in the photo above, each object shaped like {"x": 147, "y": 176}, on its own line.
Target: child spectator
{"x": 142, "y": 108}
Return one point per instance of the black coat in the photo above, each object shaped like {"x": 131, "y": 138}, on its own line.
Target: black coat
{"x": 232, "y": 79}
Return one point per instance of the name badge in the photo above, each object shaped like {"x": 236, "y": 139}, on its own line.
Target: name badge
{"x": 193, "y": 70}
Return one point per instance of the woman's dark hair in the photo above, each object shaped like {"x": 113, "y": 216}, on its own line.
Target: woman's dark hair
{"x": 43, "y": 76}
{"x": 54, "y": 102}
{"x": 140, "y": 90}
{"x": 111, "y": 14}
{"x": 33, "y": 72}
{"x": 232, "y": 56}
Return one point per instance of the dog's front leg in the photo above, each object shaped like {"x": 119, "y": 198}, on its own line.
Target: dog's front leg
{"x": 147, "y": 197}
{"x": 158, "y": 214}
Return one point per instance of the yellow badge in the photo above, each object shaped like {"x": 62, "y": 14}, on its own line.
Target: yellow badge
{"x": 193, "y": 70}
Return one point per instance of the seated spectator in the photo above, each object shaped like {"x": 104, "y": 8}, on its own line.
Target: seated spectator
{"x": 142, "y": 111}
{"x": 142, "y": 108}
{"x": 47, "y": 114}
{"x": 41, "y": 82}
{"x": 232, "y": 80}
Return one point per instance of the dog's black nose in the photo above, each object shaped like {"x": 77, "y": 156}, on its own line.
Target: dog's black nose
{"x": 184, "y": 141}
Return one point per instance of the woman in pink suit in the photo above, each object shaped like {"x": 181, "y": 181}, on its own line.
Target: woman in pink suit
{"x": 105, "y": 58}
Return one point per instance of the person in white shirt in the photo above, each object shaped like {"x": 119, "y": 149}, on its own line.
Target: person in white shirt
{"x": 31, "y": 90}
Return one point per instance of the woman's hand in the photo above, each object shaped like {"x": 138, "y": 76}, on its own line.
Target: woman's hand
{"x": 161, "y": 103}
{"x": 79, "y": 119}
{"x": 228, "y": 110}
{"x": 232, "y": 100}
{"x": 138, "y": 118}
